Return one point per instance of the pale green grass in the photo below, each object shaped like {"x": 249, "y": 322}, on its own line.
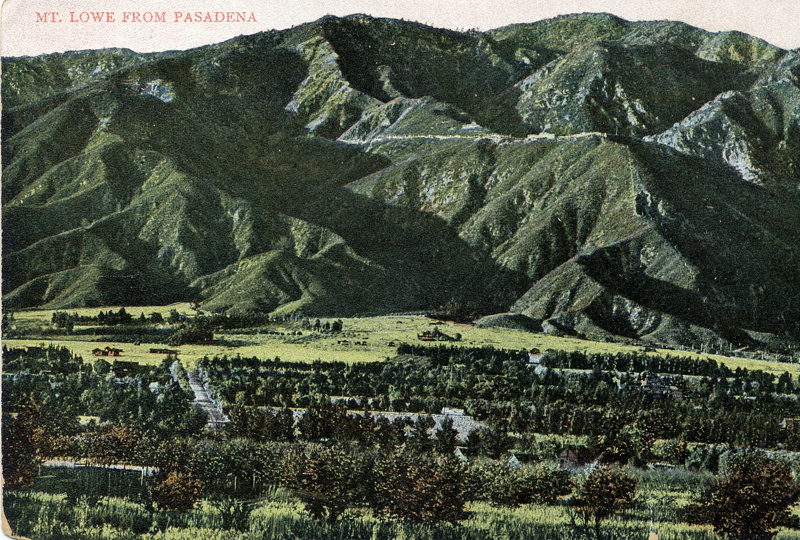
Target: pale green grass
{"x": 406, "y": 328}
{"x": 49, "y": 516}
{"x": 381, "y": 334}
{"x": 555, "y": 522}
{"x": 130, "y": 352}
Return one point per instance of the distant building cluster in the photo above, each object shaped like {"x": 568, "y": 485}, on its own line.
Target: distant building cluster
{"x": 653, "y": 386}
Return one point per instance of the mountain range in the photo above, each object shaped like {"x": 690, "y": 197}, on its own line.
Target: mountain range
{"x": 584, "y": 174}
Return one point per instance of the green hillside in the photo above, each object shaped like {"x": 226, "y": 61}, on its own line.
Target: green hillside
{"x": 607, "y": 178}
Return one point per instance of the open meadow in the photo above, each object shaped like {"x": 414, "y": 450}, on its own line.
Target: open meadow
{"x": 363, "y": 339}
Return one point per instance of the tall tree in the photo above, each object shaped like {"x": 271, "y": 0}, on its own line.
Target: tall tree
{"x": 418, "y": 488}
{"x": 446, "y": 437}
{"x": 751, "y": 500}
{"x": 24, "y": 445}
{"x": 605, "y": 492}
{"x": 326, "y": 480}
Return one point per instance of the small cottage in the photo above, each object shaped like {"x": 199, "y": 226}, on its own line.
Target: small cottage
{"x": 108, "y": 351}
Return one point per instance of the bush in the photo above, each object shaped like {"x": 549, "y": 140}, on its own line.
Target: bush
{"x": 674, "y": 451}
{"x": 178, "y": 491}
{"x": 101, "y": 367}
{"x": 502, "y": 485}
{"x": 706, "y": 457}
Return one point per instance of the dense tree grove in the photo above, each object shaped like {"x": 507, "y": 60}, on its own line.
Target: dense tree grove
{"x": 638, "y": 363}
{"x": 499, "y": 386}
{"x": 197, "y": 332}
{"x": 35, "y": 360}
{"x": 130, "y": 410}
{"x": 329, "y": 458}
{"x": 500, "y": 484}
{"x": 318, "y": 430}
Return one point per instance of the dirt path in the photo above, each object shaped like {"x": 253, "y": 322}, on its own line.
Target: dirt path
{"x": 216, "y": 418}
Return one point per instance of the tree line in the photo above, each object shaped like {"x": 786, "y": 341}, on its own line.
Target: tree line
{"x": 63, "y": 319}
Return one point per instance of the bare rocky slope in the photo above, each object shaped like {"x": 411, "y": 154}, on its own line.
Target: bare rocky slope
{"x": 604, "y": 178}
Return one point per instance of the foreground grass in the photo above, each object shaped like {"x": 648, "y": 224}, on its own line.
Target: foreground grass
{"x": 102, "y": 504}
{"x": 377, "y": 338}
{"x": 52, "y": 517}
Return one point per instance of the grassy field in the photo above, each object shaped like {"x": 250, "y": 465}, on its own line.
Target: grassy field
{"x": 379, "y": 337}
{"x": 45, "y": 514}
{"x": 278, "y": 515}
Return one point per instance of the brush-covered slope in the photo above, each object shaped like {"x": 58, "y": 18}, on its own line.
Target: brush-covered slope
{"x": 607, "y": 177}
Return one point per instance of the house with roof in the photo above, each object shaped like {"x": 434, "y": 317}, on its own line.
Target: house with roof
{"x": 436, "y": 335}
{"x": 108, "y": 351}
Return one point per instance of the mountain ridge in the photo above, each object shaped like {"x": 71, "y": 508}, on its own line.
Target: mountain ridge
{"x": 614, "y": 179}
